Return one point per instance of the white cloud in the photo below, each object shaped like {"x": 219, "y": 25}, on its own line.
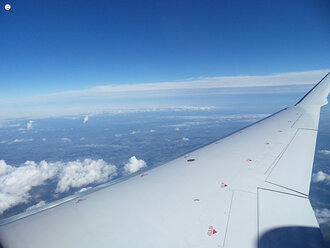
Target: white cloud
{"x": 66, "y": 139}
{"x": 177, "y": 129}
{"x": 22, "y": 140}
{"x": 323, "y": 215}
{"x": 5, "y": 168}
{"x": 291, "y": 82}
{"x": 29, "y": 125}
{"x": 79, "y": 173}
{"x": 39, "y": 204}
{"x": 118, "y": 135}
{"x": 186, "y": 124}
{"x": 84, "y": 189}
{"x": 325, "y": 152}
{"x": 185, "y": 139}
{"x": 152, "y": 130}
{"x": 134, "y": 165}
{"x": 135, "y": 132}
{"x": 44, "y": 139}
{"x": 16, "y": 182}
{"x": 320, "y": 177}
{"x": 86, "y": 119}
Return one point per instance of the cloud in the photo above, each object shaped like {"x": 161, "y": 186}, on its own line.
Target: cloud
{"x": 16, "y": 182}
{"x": 79, "y": 173}
{"x": 152, "y": 130}
{"x": 134, "y": 165}
{"x": 186, "y": 124}
{"x": 66, "y": 139}
{"x": 44, "y": 139}
{"x": 320, "y": 177}
{"x": 185, "y": 139}
{"x": 86, "y": 119}
{"x": 135, "y": 132}
{"x": 322, "y": 215}
{"x": 22, "y": 140}
{"x": 29, "y": 125}
{"x": 291, "y": 82}
{"x": 39, "y": 204}
{"x": 84, "y": 189}
{"x": 325, "y": 152}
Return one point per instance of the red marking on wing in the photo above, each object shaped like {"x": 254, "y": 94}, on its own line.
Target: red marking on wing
{"x": 191, "y": 160}
{"x": 217, "y": 142}
{"x": 267, "y": 143}
{"x": 249, "y": 160}
{"x": 211, "y": 231}
{"x": 187, "y": 156}
{"x": 80, "y": 200}
{"x": 280, "y": 131}
{"x": 143, "y": 175}
{"x": 223, "y": 185}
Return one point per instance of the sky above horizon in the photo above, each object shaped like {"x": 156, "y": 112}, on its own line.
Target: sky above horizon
{"x": 51, "y": 47}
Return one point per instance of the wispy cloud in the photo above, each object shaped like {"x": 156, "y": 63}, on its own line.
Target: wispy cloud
{"x": 96, "y": 99}
{"x": 39, "y": 204}
{"x": 323, "y": 215}
{"x": 66, "y": 139}
{"x": 325, "y": 152}
{"x": 85, "y": 119}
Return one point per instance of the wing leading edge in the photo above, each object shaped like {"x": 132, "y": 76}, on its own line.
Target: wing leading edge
{"x": 249, "y": 189}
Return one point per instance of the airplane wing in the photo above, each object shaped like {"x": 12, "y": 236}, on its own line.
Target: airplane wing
{"x": 249, "y": 189}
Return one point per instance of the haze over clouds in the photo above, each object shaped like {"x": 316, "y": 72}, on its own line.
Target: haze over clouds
{"x": 60, "y": 104}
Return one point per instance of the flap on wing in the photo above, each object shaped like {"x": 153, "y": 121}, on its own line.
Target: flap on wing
{"x": 286, "y": 220}
{"x": 294, "y": 169}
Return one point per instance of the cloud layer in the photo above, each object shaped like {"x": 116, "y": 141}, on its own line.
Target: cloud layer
{"x": 16, "y": 182}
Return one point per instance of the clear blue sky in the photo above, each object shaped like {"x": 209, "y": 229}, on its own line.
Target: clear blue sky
{"x": 52, "y": 46}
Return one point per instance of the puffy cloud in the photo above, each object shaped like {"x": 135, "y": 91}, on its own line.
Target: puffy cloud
{"x": 134, "y": 165}
{"x": 152, "y": 130}
{"x": 29, "y": 125}
{"x": 66, "y": 139}
{"x": 86, "y": 119}
{"x": 320, "y": 177}
{"x": 16, "y": 182}
{"x": 185, "y": 139}
{"x": 4, "y": 168}
{"x": 39, "y": 204}
{"x": 79, "y": 173}
{"x": 325, "y": 152}
{"x": 323, "y": 215}
{"x": 135, "y": 132}
{"x": 44, "y": 139}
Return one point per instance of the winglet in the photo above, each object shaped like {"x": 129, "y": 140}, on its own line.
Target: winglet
{"x": 318, "y": 94}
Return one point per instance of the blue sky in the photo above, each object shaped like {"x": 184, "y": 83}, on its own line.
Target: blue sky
{"x": 59, "y": 46}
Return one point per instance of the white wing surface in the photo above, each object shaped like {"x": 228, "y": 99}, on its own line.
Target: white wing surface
{"x": 249, "y": 189}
